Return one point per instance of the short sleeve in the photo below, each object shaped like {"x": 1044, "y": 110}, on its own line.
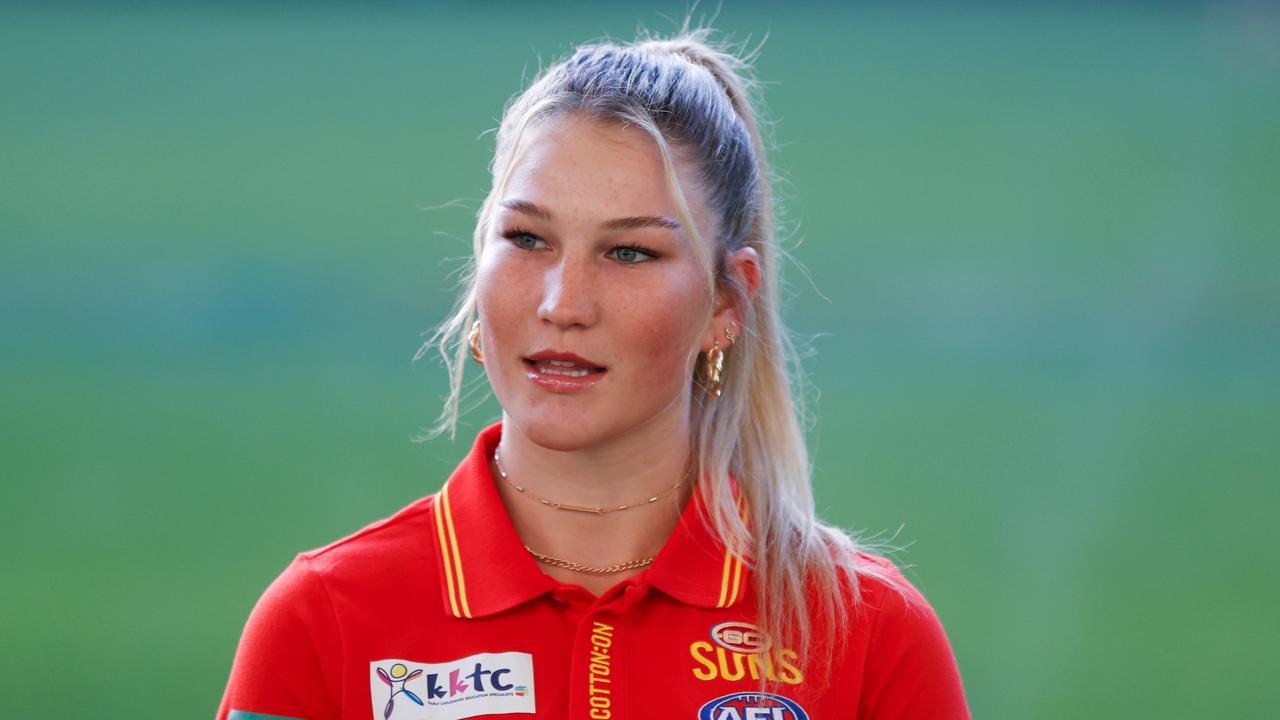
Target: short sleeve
{"x": 286, "y": 665}
{"x": 910, "y": 671}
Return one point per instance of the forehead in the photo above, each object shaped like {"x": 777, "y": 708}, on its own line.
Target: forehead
{"x": 591, "y": 170}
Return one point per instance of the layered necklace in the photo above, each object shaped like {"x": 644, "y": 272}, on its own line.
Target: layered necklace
{"x": 595, "y": 510}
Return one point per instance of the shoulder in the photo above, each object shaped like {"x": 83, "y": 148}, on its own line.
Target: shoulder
{"x": 324, "y": 588}
{"x": 885, "y": 599}
{"x": 881, "y": 580}
{"x": 381, "y": 546}
{"x": 365, "y": 555}
{"x": 284, "y": 663}
{"x": 908, "y": 659}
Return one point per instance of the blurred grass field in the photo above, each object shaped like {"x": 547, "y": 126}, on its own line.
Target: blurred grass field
{"x": 1043, "y": 251}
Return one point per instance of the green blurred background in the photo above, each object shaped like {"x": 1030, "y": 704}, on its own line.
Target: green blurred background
{"x": 1043, "y": 250}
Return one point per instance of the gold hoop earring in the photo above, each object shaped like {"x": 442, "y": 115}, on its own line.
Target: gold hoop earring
{"x": 715, "y": 369}
{"x": 473, "y": 340}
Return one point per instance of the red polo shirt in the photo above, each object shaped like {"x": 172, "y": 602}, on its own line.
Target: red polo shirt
{"x": 439, "y": 612}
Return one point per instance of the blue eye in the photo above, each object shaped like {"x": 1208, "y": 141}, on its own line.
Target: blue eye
{"x": 523, "y": 240}
{"x": 632, "y": 254}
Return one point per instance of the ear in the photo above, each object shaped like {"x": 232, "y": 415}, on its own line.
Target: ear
{"x": 744, "y": 265}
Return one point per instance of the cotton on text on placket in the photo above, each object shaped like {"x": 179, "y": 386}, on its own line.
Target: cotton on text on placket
{"x": 599, "y": 670}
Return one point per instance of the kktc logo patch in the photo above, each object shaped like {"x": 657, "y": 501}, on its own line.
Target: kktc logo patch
{"x": 752, "y": 706}
{"x": 483, "y": 684}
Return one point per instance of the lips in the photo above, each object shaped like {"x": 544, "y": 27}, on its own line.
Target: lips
{"x": 563, "y": 362}
{"x": 562, "y": 371}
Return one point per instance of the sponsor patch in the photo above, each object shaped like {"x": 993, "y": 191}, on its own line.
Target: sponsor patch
{"x": 752, "y": 706}
{"x": 484, "y": 684}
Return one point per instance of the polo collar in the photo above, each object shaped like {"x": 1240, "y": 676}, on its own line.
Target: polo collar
{"x": 694, "y": 566}
{"x": 485, "y": 569}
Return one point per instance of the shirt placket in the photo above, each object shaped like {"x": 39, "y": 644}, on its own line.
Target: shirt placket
{"x": 598, "y": 666}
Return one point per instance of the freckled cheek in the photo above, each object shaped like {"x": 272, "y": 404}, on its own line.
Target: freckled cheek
{"x": 665, "y": 335}
{"x": 502, "y": 299}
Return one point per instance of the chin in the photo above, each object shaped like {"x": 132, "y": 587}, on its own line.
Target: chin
{"x": 559, "y": 434}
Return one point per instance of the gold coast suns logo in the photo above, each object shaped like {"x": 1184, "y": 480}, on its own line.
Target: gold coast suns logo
{"x": 738, "y": 651}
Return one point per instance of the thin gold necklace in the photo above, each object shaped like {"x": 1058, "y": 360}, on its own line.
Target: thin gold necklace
{"x": 596, "y": 510}
{"x": 577, "y": 567}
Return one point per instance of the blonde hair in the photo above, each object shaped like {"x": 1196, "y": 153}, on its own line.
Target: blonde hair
{"x": 696, "y": 96}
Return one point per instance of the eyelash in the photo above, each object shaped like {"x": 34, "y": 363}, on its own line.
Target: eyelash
{"x": 516, "y": 233}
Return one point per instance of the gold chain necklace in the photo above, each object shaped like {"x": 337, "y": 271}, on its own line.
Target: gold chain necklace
{"x": 597, "y": 510}
{"x": 576, "y": 567}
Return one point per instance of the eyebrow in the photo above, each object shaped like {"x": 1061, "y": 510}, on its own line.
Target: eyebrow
{"x": 624, "y": 223}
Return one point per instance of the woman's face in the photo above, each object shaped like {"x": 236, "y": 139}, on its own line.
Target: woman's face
{"x": 593, "y": 305}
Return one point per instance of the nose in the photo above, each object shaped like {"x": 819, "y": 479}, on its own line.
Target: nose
{"x": 568, "y": 295}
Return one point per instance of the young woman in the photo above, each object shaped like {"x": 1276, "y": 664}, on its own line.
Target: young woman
{"x": 636, "y": 537}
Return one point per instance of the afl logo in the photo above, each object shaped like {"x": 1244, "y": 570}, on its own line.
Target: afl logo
{"x": 752, "y": 706}
{"x": 738, "y": 636}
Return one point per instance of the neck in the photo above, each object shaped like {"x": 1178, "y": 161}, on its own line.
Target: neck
{"x": 624, "y": 471}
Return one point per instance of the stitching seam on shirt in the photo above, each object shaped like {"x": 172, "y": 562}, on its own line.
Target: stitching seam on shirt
{"x": 342, "y": 641}
{"x": 871, "y": 642}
